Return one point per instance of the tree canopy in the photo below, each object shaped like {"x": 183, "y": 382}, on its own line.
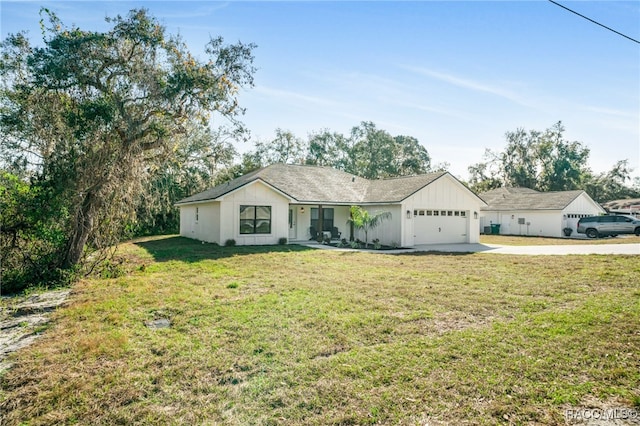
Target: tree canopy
{"x": 546, "y": 161}
{"x": 89, "y": 115}
{"x": 367, "y": 151}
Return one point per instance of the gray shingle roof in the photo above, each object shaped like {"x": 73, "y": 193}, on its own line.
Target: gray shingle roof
{"x": 527, "y": 199}
{"x": 310, "y": 184}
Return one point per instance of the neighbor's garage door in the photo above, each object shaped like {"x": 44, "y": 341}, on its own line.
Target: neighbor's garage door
{"x": 440, "y": 226}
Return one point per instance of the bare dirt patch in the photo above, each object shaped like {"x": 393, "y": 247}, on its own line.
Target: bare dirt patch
{"x": 23, "y": 318}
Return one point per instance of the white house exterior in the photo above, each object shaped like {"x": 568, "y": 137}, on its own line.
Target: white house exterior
{"x": 523, "y": 211}
{"x": 294, "y": 201}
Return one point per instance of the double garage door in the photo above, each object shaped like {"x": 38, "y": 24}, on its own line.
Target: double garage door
{"x": 440, "y": 226}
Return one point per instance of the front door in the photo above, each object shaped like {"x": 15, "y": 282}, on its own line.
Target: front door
{"x": 293, "y": 234}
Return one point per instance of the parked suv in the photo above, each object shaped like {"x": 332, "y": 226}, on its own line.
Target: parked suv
{"x": 598, "y": 226}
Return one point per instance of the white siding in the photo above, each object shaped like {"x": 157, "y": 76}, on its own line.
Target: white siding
{"x": 542, "y": 223}
{"x": 446, "y": 194}
{"x": 219, "y": 221}
{"x": 254, "y": 194}
{"x": 187, "y": 221}
{"x": 389, "y": 231}
{"x": 547, "y": 223}
{"x": 201, "y": 221}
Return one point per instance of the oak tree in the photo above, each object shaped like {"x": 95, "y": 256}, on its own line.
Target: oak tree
{"x": 91, "y": 113}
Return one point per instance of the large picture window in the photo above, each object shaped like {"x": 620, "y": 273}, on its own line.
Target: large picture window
{"x": 255, "y": 219}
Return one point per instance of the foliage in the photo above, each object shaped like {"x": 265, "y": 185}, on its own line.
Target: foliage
{"x": 546, "y": 161}
{"x": 343, "y": 243}
{"x": 611, "y": 185}
{"x": 282, "y": 241}
{"x": 368, "y": 152}
{"x": 365, "y": 221}
{"x": 32, "y": 225}
{"x": 327, "y": 149}
{"x": 93, "y": 116}
{"x": 201, "y": 156}
{"x": 285, "y": 148}
{"x": 376, "y": 154}
{"x": 230, "y": 243}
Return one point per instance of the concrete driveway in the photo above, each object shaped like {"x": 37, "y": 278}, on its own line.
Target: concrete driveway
{"x": 530, "y": 250}
{"x": 502, "y": 249}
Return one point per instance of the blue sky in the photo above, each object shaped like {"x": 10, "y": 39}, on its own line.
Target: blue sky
{"x": 455, "y": 75}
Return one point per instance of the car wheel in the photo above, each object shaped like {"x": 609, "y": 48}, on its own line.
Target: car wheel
{"x": 592, "y": 233}
{"x": 637, "y": 232}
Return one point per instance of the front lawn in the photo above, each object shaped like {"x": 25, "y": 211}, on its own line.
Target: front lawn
{"x": 287, "y": 335}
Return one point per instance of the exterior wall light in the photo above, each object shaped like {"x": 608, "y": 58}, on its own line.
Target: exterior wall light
{"x": 408, "y": 214}
{"x": 301, "y": 209}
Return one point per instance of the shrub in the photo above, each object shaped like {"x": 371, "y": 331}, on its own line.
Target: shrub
{"x": 230, "y": 243}
{"x": 376, "y": 244}
{"x": 343, "y": 243}
{"x": 355, "y": 244}
{"x": 282, "y": 241}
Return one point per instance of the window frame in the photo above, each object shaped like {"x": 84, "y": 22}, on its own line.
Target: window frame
{"x": 256, "y": 222}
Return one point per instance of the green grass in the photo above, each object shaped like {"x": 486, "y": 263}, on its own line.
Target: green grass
{"x": 288, "y": 335}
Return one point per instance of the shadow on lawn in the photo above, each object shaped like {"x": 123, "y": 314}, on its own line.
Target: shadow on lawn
{"x": 435, "y": 253}
{"x": 188, "y": 250}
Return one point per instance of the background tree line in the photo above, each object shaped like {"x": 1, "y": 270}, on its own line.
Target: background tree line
{"x": 102, "y": 132}
{"x": 546, "y": 161}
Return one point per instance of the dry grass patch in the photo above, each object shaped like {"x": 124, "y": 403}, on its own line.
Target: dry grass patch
{"x": 323, "y": 337}
{"x": 515, "y": 240}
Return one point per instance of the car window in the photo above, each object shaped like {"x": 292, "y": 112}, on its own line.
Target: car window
{"x": 608, "y": 219}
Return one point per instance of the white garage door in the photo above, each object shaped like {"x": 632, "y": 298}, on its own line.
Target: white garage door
{"x": 440, "y": 226}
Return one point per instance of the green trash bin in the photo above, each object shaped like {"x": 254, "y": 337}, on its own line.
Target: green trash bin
{"x": 495, "y": 228}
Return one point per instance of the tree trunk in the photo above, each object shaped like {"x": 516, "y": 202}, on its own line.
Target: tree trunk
{"x": 83, "y": 227}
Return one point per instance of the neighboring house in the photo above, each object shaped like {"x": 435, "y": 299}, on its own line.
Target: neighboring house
{"x": 524, "y": 211}
{"x": 629, "y": 206}
{"x": 294, "y": 202}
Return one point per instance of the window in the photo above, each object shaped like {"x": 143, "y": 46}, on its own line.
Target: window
{"x": 255, "y": 219}
{"x": 443, "y": 213}
{"x": 436, "y": 212}
{"x": 450, "y": 213}
{"x": 429, "y": 213}
{"x": 421, "y": 212}
{"x": 456, "y": 213}
{"x": 197, "y": 214}
{"x": 623, "y": 219}
{"x": 415, "y": 212}
{"x": 463, "y": 213}
{"x": 327, "y": 219}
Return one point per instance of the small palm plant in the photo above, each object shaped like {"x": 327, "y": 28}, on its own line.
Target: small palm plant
{"x": 366, "y": 221}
